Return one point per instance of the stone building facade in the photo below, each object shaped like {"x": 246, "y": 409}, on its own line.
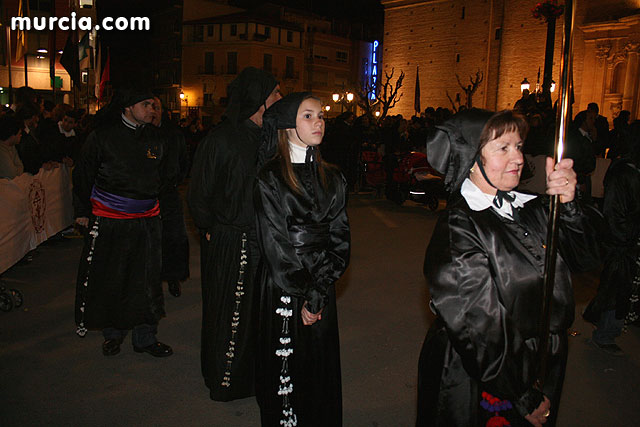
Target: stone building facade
{"x": 302, "y": 50}
{"x": 501, "y": 40}
{"x": 216, "y": 49}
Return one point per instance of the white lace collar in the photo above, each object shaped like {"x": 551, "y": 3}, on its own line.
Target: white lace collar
{"x": 479, "y": 201}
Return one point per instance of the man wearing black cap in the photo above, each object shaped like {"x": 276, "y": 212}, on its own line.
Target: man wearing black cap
{"x": 116, "y": 185}
{"x": 221, "y": 202}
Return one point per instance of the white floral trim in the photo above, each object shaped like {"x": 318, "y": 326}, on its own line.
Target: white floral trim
{"x": 235, "y": 319}
{"x": 285, "y": 388}
{"x": 81, "y": 330}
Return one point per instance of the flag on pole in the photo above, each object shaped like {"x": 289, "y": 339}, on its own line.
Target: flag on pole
{"x": 105, "y": 76}
{"x": 83, "y": 56}
{"x": 416, "y": 105}
{"x": 69, "y": 58}
{"x": 52, "y": 53}
{"x": 21, "y": 45}
{"x": 97, "y": 70}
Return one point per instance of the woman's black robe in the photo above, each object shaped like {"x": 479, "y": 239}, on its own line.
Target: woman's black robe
{"x": 485, "y": 275}
{"x": 305, "y": 242}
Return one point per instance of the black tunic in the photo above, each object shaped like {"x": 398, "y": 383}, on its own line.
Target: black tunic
{"x": 118, "y": 281}
{"x": 485, "y": 276}
{"x": 221, "y": 203}
{"x": 622, "y": 211}
{"x": 305, "y": 241}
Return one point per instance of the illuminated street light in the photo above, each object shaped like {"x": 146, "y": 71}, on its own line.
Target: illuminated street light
{"x": 377, "y": 113}
{"x": 184, "y": 98}
{"x": 342, "y": 98}
{"x": 553, "y": 86}
{"x": 524, "y": 85}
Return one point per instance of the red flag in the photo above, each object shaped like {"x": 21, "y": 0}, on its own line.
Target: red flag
{"x": 105, "y": 76}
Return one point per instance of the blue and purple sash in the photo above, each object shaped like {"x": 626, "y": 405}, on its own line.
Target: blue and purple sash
{"x": 113, "y": 206}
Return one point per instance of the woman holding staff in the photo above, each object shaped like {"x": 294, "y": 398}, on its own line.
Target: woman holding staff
{"x": 485, "y": 266}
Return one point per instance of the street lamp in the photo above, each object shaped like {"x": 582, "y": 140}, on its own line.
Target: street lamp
{"x": 553, "y": 86}
{"x": 326, "y": 109}
{"x": 343, "y": 97}
{"x": 185, "y": 98}
{"x": 524, "y": 85}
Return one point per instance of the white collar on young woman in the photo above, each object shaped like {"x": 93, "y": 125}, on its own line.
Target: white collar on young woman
{"x": 479, "y": 201}
{"x": 298, "y": 153}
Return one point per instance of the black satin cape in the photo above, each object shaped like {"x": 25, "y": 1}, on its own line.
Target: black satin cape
{"x": 305, "y": 242}
{"x": 485, "y": 276}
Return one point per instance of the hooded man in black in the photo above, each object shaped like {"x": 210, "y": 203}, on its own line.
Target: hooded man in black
{"x": 221, "y": 202}
{"x": 116, "y": 184}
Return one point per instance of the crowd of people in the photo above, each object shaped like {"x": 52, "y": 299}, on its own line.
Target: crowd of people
{"x": 38, "y": 134}
{"x": 269, "y": 201}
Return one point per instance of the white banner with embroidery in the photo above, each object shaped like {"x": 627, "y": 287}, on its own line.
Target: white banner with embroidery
{"x": 33, "y": 208}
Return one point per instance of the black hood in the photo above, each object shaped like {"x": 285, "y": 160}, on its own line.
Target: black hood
{"x": 248, "y": 92}
{"x": 452, "y": 147}
{"x": 281, "y": 115}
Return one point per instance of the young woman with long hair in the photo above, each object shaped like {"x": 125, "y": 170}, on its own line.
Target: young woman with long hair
{"x": 304, "y": 238}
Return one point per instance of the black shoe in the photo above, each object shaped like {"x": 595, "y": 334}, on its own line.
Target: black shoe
{"x": 111, "y": 347}
{"x": 174, "y": 288}
{"x": 157, "y": 349}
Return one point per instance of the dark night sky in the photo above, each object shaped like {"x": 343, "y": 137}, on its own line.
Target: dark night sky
{"x": 358, "y": 10}
{"x": 133, "y": 50}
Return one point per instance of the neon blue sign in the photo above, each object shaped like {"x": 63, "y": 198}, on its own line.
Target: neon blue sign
{"x": 374, "y": 69}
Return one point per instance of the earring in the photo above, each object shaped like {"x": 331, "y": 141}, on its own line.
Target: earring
{"x": 472, "y": 170}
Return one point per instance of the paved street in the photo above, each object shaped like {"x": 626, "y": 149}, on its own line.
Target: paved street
{"x": 49, "y": 376}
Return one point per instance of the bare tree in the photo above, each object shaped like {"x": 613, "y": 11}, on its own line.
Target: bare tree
{"x": 385, "y": 93}
{"x": 469, "y": 90}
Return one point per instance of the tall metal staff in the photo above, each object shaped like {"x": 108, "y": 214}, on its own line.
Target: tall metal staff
{"x": 562, "y": 121}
